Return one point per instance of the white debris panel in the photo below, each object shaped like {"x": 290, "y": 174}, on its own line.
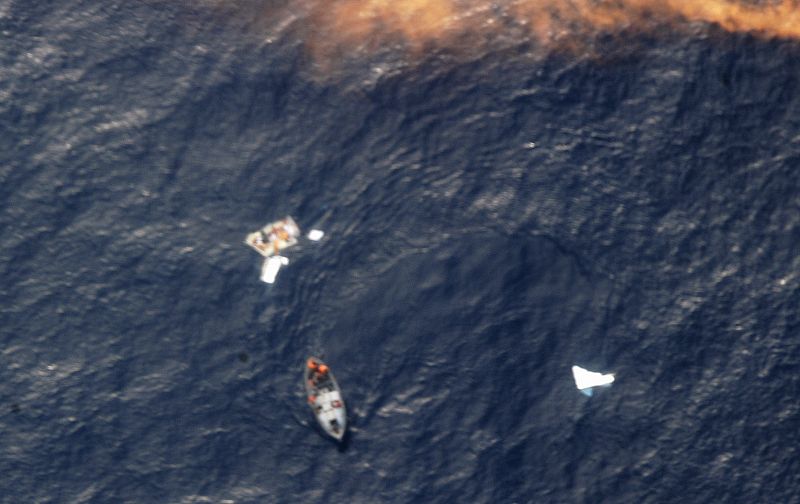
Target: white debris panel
{"x": 270, "y": 268}
{"x": 586, "y": 380}
{"x": 315, "y": 235}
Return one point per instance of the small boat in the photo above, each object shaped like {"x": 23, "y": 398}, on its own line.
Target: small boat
{"x": 276, "y": 236}
{"x": 325, "y": 398}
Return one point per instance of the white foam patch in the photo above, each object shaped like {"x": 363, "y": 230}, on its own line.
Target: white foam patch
{"x": 315, "y": 235}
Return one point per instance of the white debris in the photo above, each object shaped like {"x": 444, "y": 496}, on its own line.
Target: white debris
{"x": 586, "y": 380}
{"x": 315, "y": 235}
{"x": 271, "y": 266}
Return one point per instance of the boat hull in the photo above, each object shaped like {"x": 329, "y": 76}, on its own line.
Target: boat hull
{"x": 325, "y": 399}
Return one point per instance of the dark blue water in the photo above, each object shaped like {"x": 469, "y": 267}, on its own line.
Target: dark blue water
{"x": 491, "y": 220}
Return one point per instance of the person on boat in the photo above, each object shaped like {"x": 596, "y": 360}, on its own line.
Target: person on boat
{"x": 318, "y": 372}
{"x": 322, "y": 374}
{"x": 314, "y": 369}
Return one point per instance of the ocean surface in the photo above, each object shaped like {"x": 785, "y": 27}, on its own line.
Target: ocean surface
{"x": 627, "y": 203}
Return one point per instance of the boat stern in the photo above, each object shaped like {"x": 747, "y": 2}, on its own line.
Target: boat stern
{"x": 331, "y": 414}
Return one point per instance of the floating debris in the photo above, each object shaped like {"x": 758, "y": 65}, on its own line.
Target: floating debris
{"x": 315, "y": 235}
{"x": 587, "y": 380}
{"x": 271, "y": 266}
{"x": 274, "y": 237}
{"x": 269, "y": 241}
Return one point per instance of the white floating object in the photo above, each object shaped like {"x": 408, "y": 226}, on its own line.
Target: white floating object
{"x": 586, "y": 380}
{"x": 315, "y": 235}
{"x": 270, "y": 268}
